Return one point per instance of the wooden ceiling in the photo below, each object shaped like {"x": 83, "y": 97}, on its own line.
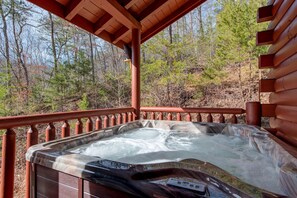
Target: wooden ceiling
{"x": 113, "y": 20}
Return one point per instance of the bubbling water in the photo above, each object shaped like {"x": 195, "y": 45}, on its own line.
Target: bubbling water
{"x": 151, "y": 145}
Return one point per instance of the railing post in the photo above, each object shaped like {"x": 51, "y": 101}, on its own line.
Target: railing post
{"x": 89, "y": 125}
{"x": 153, "y": 116}
{"x": 8, "y": 164}
{"x": 125, "y": 119}
{"x": 98, "y": 123}
{"x": 209, "y": 118}
{"x": 188, "y": 117}
{"x": 119, "y": 119}
{"x": 199, "y": 119}
{"x": 50, "y": 132}
{"x": 78, "y": 127}
{"x": 253, "y": 113}
{"x": 65, "y": 132}
{"x": 106, "y": 122}
{"x": 222, "y": 118}
{"x": 144, "y": 115}
{"x": 178, "y": 117}
{"x": 32, "y": 139}
{"x": 112, "y": 120}
{"x": 161, "y": 116}
{"x": 130, "y": 117}
{"x": 169, "y": 116}
{"x": 234, "y": 119}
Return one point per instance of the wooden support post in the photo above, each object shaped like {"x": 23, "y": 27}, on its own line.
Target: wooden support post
{"x": 32, "y": 139}
{"x": 253, "y": 113}
{"x": 135, "y": 67}
{"x": 7, "y": 166}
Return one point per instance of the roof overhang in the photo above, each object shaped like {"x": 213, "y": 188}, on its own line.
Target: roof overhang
{"x": 113, "y": 20}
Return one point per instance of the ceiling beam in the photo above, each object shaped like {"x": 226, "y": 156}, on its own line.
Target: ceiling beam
{"x": 118, "y": 12}
{"x": 73, "y": 8}
{"x": 118, "y": 35}
{"x": 104, "y": 21}
{"x": 51, "y": 6}
{"x": 153, "y": 8}
{"x": 177, "y": 14}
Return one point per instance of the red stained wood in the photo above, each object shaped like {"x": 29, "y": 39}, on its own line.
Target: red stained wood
{"x": 209, "y": 118}
{"x": 266, "y": 61}
{"x": 188, "y": 117}
{"x": 98, "y": 124}
{"x": 169, "y": 116}
{"x": 73, "y": 8}
{"x": 284, "y": 98}
{"x": 268, "y": 110}
{"x": 288, "y": 50}
{"x": 287, "y": 113}
{"x": 7, "y": 164}
{"x": 284, "y": 6}
{"x": 287, "y": 82}
{"x": 120, "y": 119}
{"x": 78, "y": 127}
{"x": 253, "y": 113}
{"x": 193, "y": 110}
{"x": 178, "y": 117}
{"x": 198, "y": 117}
{"x": 135, "y": 72}
{"x": 89, "y": 125}
{"x": 221, "y": 118}
{"x": 287, "y": 127}
{"x": 265, "y": 37}
{"x": 289, "y": 139}
{"x": 50, "y": 132}
{"x": 265, "y": 14}
{"x": 284, "y": 68}
{"x": 15, "y": 121}
{"x": 234, "y": 119}
{"x": 266, "y": 85}
{"x": 106, "y": 122}
{"x": 65, "y": 132}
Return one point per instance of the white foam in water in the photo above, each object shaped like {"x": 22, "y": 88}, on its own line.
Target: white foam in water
{"x": 150, "y": 145}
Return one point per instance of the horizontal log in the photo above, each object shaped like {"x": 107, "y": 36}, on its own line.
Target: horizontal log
{"x": 264, "y": 37}
{"x": 287, "y": 82}
{"x": 286, "y": 67}
{"x": 287, "y": 51}
{"x": 285, "y": 5}
{"x": 288, "y": 113}
{"x": 266, "y": 61}
{"x": 266, "y": 85}
{"x": 268, "y": 110}
{"x": 287, "y": 127}
{"x": 288, "y": 139}
{"x": 271, "y": 130}
{"x": 285, "y": 30}
{"x": 17, "y": 121}
{"x": 193, "y": 110}
{"x": 284, "y": 98}
{"x": 265, "y": 14}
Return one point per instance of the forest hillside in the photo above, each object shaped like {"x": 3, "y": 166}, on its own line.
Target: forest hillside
{"x": 207, "y": 58}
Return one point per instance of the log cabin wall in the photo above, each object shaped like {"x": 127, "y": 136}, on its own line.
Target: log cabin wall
{"x": 281, "y": 59}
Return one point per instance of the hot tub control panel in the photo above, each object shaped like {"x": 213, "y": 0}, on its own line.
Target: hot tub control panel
{"x": 198, "y": 187}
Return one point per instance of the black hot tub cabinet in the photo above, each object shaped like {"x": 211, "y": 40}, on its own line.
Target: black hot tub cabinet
{"x": 57, "y": 172}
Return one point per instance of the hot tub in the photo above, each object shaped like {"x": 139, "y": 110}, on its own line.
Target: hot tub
{"x": 164, "y": 159}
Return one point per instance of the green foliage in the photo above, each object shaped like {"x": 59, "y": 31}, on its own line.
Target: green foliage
{"x": 84, "y": 103}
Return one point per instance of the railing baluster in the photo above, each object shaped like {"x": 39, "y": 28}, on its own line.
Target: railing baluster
{"x": 188, "y": 117}
{"x": 32, "y": 139}
{"x": 65, "y": 129}
{"x": 98, "y": 123}
{"x": 89, "y": 125}
{"x": 198, "y": 117}
{"x": 125, "y": 118}
{"x": 234, "y": 119}
{"x": 161, "y": 116}
{"x": 50, "y": 132}
{"x": 8, "y": 164}
{"x": 106, "y": 122}
{"x": 130, "y": 117}
{"x": 119, "y": 119}
{"x": 78, "y": 127}
{"x": 112, "y": 120}
{"x": 178, "y": 117}
{"x": 209, "y": 118}
{"x": 169, "y": 116}
{"x": 222, "y": 118}
{"x": 144, "y": 115}
{"x": 153, "y": 116}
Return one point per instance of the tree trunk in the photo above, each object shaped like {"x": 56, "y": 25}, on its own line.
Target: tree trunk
{"x": 200, "y": 21}
{"x": 53, "y": 43}
{"x": 92, "y": 57}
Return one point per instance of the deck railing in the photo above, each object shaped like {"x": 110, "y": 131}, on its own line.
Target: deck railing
{"x": 191, "y": 114}
{"x": 103, "y": 118}
{"x": 94, "y": 119}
